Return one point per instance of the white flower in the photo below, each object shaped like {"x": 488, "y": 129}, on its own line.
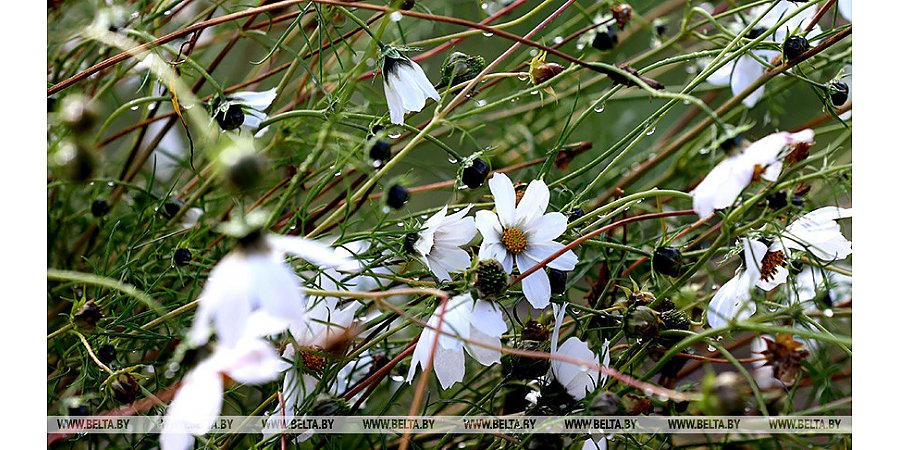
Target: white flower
{"x": 594, "y": 444}
{"x": 255, "y": 103}
{"x": 846, "y": 8}
{"x": 478, "y": 321}
{"x": 732, "y": 300}
{"x": 255, "y": 277}
{"x": 439, "y": 242}
{"x": 578, "y": 379}
{"x": 812, "y": 280}
{"x": 405, "y": 86}
{"x": 198, "y": 402}
{"x": 524, "y": 234}
{"x": 819, "y": 233}
{"x": 763, "y": 158}
{"x": 743, "y": 71}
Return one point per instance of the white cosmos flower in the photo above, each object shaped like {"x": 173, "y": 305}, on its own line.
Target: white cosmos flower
{"x": 255, "y": 277}
{"x": 763, "y": 158}
{"x": 732, "y": 300}
{"x": 578, "y": 380}
{"x": 405, "y": 86}
{"x": 819, "y": 233}
{"x": 813, "y": 280}
{"x": 439, "y": 242}
{"x": 255, "y": 103}
{"x": 477, "y": 320}
{"x": 746, "y": 69}
{"x": 197, "y": 404}
{"x": 524, "y": 234}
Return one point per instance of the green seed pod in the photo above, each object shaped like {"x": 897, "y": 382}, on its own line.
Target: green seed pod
{"x": 490, "y": 279}
{"x": 460, "y": 67}
{"x": 642, "y": 322}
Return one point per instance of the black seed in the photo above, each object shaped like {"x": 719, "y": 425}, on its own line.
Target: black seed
{"x": 171, "y": 208}
{"x": 557, "y": 281}
{"x": 840, "y": 93}
{"x": 407, "y": 4}
{"x": 756, "y": 32}
{"x": 409, "y": 242}
{"x": 88, "y": 316}
{"x": 667, "y": 261}
{"x": 474, "y": 175}
{"x": 732, "y": 143}
{"x": 605, "y": 39}
{"x": 397, "y": 196}
{"x": 380, "y": 151}
{"x": 99, "y": 208}
{"x": 182, "y": 256}
{"x": 661, "y": 29}
{"x": 576, "y": 214}
{"x": 106, "y": 353}
{"x": 231, "y": 118}
{"x": 777, "y": 200}
{"x": 795, "y": 46}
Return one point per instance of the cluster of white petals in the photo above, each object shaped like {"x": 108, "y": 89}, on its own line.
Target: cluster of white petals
{"x": 578, "y": 379}
{"x": 439, "y": 242}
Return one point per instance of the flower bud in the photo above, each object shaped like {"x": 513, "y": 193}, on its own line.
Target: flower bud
{"x": 622, "y": 14}
{"x": 459, "y": 68}
{"x": 777, "y": 200}
{"x": 106, "y": 353}
{"x": 124, "y": 388}
{"x": 576, "y": 214}
{"x": 409, "y": 243}
{"x": 182, "y": 256}
{"x": 397, "y": 196}
{"x": 88, "y": 315}
{"x": 839, "y": 92}
{"x": 474, "y": 175}
{"x": 606, "y": 403}
{"x": 642, "y": 322}
{"x": 490, "y": 279}
{"x": 544, "y": 71}
{"x": 78, "y": 113}
{"x": 675, "y": 320}
{"x": 76, "y": 160}
{"x": 667, "y": 261}
{"x": 229, "y": 117}
{"x": 380, "y": 151}
{"x": 605, "y": 39}
{"x": 641, "y": 298}
{"x": 99, "y": 208}
{"x": 795, "y": 46}
{"x": 557, "y": 281}
{"x": 242, "y": 166}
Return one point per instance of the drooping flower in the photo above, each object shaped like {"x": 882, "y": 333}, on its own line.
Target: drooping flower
{"x": 522, "y": 232}
{"x": 244, "y": 108}
{"x": 406, "y": 86}
{"x": 578, "y": 379}
{"x": 732, "y": 300}
{"x": 763, "y": 159}
{"x": 197, "y": 404}
{"x": 746, "y": 69}
{"x": 475, "y": 320}
{"x": 438, "y": 243}
{"x": 255, "y": 277}
{"x": 818, "y": 232}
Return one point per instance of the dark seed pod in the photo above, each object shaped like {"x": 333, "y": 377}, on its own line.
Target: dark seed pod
{"x": 795, "y": 46}
{"x": 606, "y": 403}
{"x": 777, "y": 200}
{"x": 99, "y": 208}
{"x": 557, "y": 281}
{"x": 171, "y": 207}
{"x": 79, "y": 410}
{"x": 397, "y": 196}
{"x": 245, "y": 172}
{"x": 637, "y": 404}
{"x": 460, "y": 67}
{"x": 642, "y": 322}
{"x": 124, "y": 388}
{"x": 232, "y": 118}
{"x": 490, "y": 279}
{"x": 106, "y": 353}
{"x": 51, "y": 104}
{"x": 535, "y": 331}
{"x": 732, "y": 144}
{"x": 622, "y": 14}
{"x": 797, "y": 200}
{"x": 182, "y": 256}
{"x": 380, "y": 151}
{"x": 409, "y": 242}
{"x": 576, "y": 214}
{"x": 675, "y": 320}
{"x": 839, "y": 92}
{"x": 474, "y": 175}
{"x": 756, "y": 32}
{"x": 605, "y": 39}
{"x": 667, "y": 261}
{"x": 544, "y": 72}
{"x": 407, "y": 5}
{"x": 525, "y": 368}
{"x": 88, "y": 315}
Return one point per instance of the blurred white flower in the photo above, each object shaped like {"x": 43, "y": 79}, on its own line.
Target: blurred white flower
{"x": 818, "y": 232}
{"x": 439, "y": 242}
{"x": 255, "y": 277}
{"x": 521, "y": 232}
{"x": 746, "y": 69}
{"x": 476, "y": 320}
{"x": 198, "y": 402}
{"x": 846, "y": 8}
{"x": 732, "y": 300}
{"x": 405, "y": 86}
{"x": 578, "y": 379}
{"x": 763, "y": 159}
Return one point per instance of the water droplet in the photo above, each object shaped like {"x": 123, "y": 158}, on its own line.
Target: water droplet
{"x": 522, "y": 76}
{"x": 599, "y": 108}
{"x": 397, "y": 378}
{"x": 462, "y": 187}
{"x": 452, "y": 159}
{"x": 480, "y": 103}
{"x": 710, "y": 348}
{"x": 704, "y": 151}
{"x": 338, "y": 173}
{"x": 558, "y": 40}
{"x": 651, "y": 131}
{"x": 487, "y": 34}
{"x": 515, "y": 99}
{"x": 110, "y": 183}
{"x": 663, "y": 398}
{"x": 385, "y": 209}
{"x": 394, "y": 134}
{"x": 691, "y": 69}
{"x": 828, "y": 313}
{"x": 648, "y": 392}
{"x": 134, "y": 108}
{"x": 535, "y": 92}
{"x": 370, "y": 62}
{"x": 686, "y": 102}
{"x": 579, "y": 46}
{"x": 376, "y": 163}
{"x": 396, "y": 16}
{"x": 168, "y": 13}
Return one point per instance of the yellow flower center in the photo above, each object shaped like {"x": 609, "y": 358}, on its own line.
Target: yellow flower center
{"x": 313, "y": 358}
{"x": 514, "y": 240}
{"x": 770, "y": 264}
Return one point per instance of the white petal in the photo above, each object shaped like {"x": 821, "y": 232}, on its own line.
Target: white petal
{"x": 548, "y": 227}
{"x": 255, "y": 362}
{"x": 504, "y": 198}
{"x": 489, "y": 226}
{"x": 421, "y": 80}
{"x": 722, "y": 75}
{"x": 577, "y": 379}
{"x": 196, "y": 405}
{"x": 488, "y": 319}
{"x": 754, "y": 252}
{"x": 256, "y": 100}
{"x": 722, "y": 186}
{"x": 731, "y": 302}
{"x": 536, "y": 286}
{"x": 395, "y": 105}
{"x": 485, "y": 356}
{"x": 746, "y": 71}
{"x": 540, "y": 252}
{"x": 449, "y": 365}
{"x": 846, "y": 8}
{"x": 591, "y": 444}
{"x": 312, "y": 251}
{"x": 534, "y": 203}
